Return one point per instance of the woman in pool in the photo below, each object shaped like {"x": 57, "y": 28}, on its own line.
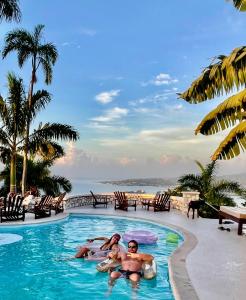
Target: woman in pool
{"x": 107, "y": 245}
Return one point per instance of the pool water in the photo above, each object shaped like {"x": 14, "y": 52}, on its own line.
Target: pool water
{"x": 34, "y": 267}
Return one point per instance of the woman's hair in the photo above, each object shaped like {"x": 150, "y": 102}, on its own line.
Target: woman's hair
{"x": 109, "y": 241}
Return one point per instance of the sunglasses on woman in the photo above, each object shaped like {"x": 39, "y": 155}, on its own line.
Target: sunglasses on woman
{"x": 132, "y": 247}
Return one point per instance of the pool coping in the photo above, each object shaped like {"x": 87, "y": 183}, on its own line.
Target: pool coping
{"x": 180, "y": 281}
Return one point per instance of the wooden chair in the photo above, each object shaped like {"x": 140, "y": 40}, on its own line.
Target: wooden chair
{"x": 43, "y": 208}
{"x": 12, "y": 209}
{"x": 57, "y": 205}
{"x": 99, "y": 200}
{"x": 146, "y": 202}
{"x": 162, "y": 203}
{"x": 122, "y": 202}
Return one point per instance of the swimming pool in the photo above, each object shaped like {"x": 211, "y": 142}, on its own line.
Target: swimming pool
{"x": 31, "y": 268}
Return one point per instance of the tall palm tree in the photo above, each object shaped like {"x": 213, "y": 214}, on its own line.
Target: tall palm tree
{"x": 39, "y": 175}
{"x": 13, "y": 124}
{"x": 13, "y": 112}
{"x": 213, "y": 191}
{"x": 10, "y": 11}
{"x": 30, "y": 46}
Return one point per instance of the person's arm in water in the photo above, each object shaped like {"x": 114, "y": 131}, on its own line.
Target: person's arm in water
{"x": 100, "y": 238}
{"x": 141, "y": 256}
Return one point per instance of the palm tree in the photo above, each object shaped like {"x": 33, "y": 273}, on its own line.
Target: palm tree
{"x": 42, "y": 141}
{"x": 9, "y": 10}
{"x": 39, "y": 175}
{"x": 13, "y": 124}
{"x": 212, "y": 191}
{"x": 29, "y": 46}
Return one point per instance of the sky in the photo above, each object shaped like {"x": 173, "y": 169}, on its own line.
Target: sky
{"x": 120, "y": 67}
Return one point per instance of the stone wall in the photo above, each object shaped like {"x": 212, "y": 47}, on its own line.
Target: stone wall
{"x": 181, "y": 203}
{"x": 78, "y": 201}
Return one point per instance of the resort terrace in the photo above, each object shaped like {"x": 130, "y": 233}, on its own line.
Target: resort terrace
{"x": 210, "y": 264}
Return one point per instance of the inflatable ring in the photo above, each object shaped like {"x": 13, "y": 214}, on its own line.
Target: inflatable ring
{"x": 149, "y": 270}
{"x": 9, "y": 238}
{"x": 141, "y": 236}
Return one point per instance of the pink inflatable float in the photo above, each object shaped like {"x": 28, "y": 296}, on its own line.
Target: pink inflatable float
{"x": 141, "y": 236}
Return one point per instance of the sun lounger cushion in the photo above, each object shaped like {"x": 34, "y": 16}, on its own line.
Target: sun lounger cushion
{"x": 238, "y": 212}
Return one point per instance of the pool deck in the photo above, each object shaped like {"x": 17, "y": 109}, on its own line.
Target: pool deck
{"x": 211, "y": 264}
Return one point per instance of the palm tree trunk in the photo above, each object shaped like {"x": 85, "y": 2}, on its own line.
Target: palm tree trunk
{"x": 25, "y": 157}
{"x": 13, "y": 173}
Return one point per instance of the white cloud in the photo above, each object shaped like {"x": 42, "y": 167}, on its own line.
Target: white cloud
{"x": 161, "y": 79}
{"x": 87, "y": 31}
{"x": 164, "y": 79}
{"x": 111, "y": 115}
{"x": 144, "y": 110}
{"x": 107, "y": 97}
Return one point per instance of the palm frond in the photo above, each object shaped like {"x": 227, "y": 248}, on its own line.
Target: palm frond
{"x": 9, "y": 10}
{"x": 39, "y": 101}
{"x": 223, "y": 76}
{"x": 240, "y": 4}
{"x": 226, "y": 114}
{"x": 233, "y": 144}
{"x": 56, "y": 131}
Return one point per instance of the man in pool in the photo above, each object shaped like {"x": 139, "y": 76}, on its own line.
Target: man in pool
{"x": 131, "y": 264}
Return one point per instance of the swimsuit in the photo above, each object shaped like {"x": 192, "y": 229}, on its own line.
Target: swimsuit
{"x": 127, "y": 273}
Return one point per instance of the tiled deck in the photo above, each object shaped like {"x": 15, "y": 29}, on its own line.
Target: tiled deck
{"x": 217, "y": 264}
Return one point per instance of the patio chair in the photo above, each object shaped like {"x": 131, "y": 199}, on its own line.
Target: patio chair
{"x": 12, "y": 209}
{"x": 57, "y": 204}
{"x": 43, "y": 208}
{"x": 99, "y": 200}
{"x": 122, "y": 202}
{"x": 146, "y": 202}
{"x": 162, "y": 203}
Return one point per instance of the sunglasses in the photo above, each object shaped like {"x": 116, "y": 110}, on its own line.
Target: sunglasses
{"x": 132, "y": 247}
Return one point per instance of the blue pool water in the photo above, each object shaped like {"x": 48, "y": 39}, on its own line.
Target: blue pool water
{"x": 31, "y": 268}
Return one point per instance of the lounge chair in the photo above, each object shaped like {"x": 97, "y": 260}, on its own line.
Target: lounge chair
{"x": 99, "y": 200}
{"x": 57, "y": 204}
{"x": 237, "y": 214}
{"x": 122, "y": 202}
{"x": 12, "y": 209}
{"x": 43, "y": 208}
{"x": 161, "y": 204}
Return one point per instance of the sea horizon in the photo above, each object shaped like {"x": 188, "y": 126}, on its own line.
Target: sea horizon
{"x": 84, "y": 186}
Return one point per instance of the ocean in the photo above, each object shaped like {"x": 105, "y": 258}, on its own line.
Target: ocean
{"x": 84, "y": 186}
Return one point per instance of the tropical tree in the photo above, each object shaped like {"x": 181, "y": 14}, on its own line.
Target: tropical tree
{"x": 13, "y": 124}
{"x": 42, "y": 141}
{"x": 42, "y": 55}
{"x": 10, "y": 11}
{"x": 39, "y": 175}
{"x": 223, "y": 76}
{"x": 212, "y": 191}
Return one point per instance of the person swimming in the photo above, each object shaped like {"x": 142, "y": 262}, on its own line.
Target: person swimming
{"x": 91, "y": 249}
{"x": 131, "y": 265}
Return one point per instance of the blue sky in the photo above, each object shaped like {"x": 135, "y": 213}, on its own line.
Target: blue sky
{"x": 120, "y": 66}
